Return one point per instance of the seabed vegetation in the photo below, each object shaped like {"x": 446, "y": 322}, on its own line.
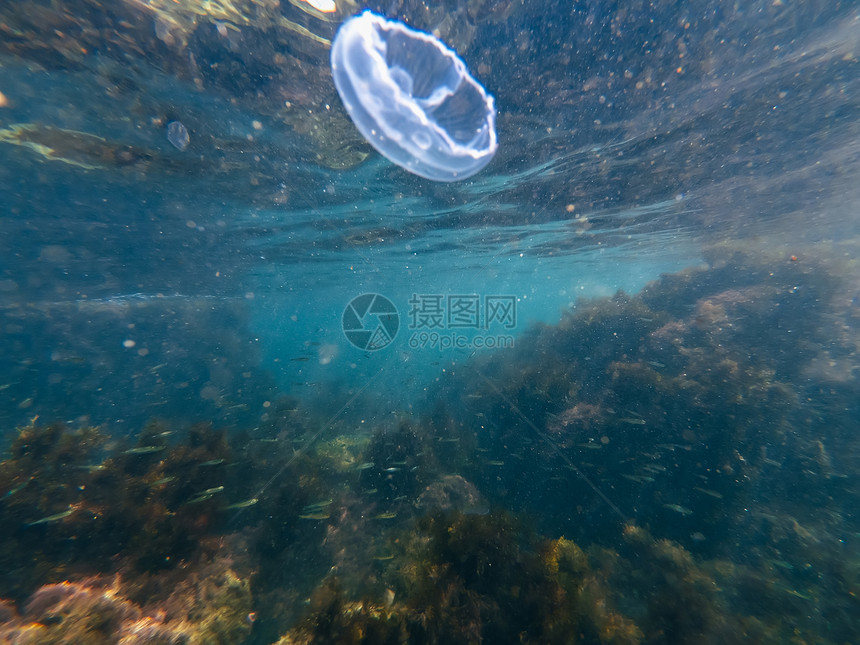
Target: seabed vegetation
{"x": 670, "y": 467}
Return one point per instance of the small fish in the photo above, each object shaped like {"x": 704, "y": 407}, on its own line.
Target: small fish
{"x": 678, "y": 509}
{"x": 654, "y": 468}
{"x": 672, "y": 446}
{"x": 632, "y": 421}
{"x": 495, "y": 462}
{"x": 795, "y": 593}
{"x": 163, "y": 480}
{"x": 206, "y": 494}
{"x": 322, "y": 504}
{"x": 639, "y": 479}
{"x": 366, "y": 465}
{"x": 712, "y": 493}
{"x": 17, "y": 488}
{"x": 383, "y": 557}
{"x": 390, "y": 515}
{"x": 94, "y": 468}
{"x": 315, "y": 516}
{"x": 245, "y": 504}
{"x": 144, "y": 450}
{"x": 211, "y": 462}
{"x": 53, "y": 518}
{"x": 300, "y": 359}
{"x": 393, "y": 469}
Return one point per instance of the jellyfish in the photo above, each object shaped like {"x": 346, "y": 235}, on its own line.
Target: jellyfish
{"x": 178, "y": 135}
{"x": 413, "y": 98}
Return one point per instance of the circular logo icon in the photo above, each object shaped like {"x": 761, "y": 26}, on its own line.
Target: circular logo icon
{"x": 370, "y": 321}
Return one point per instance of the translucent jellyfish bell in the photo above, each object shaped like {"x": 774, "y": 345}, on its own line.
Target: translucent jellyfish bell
{"x": 413, "y": 98}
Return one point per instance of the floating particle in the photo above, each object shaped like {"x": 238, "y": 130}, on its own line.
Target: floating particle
{"x": 413, "y": 98}
{"x": 178, "y": 135}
